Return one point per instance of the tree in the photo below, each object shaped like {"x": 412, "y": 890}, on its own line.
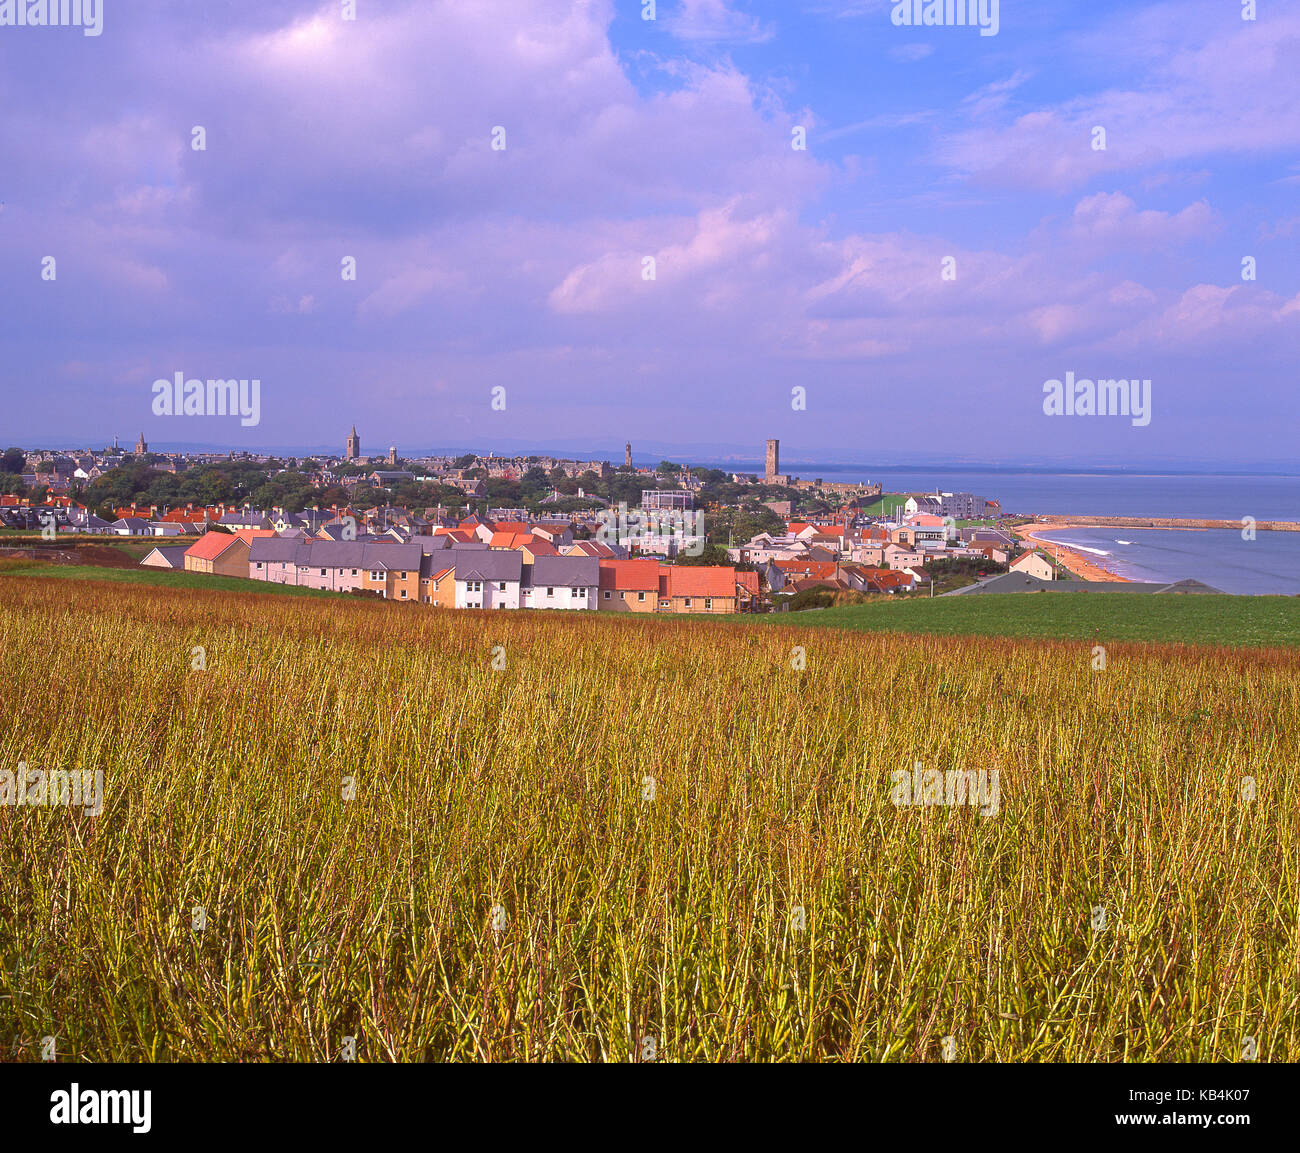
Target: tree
{"x": 12, "y": 461}
{"x": 711, "y": 555}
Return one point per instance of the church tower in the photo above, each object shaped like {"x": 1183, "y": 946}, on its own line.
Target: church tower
{"x": 392, "y": 456}
{"x": 354, "y": 445}
{"x": 627, "y": 455}
{"x": 140, "y": 447}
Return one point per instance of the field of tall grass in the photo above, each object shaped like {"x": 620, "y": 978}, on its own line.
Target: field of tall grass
{"x": 608, "y": 839}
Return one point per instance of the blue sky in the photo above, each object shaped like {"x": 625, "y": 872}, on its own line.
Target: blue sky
{"x": 626, "y": 139}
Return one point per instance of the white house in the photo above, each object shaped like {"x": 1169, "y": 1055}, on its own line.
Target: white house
{"x": 561, "y": 582}
{"x": 1036, "y": 565}
{"x": 489, "y": 579}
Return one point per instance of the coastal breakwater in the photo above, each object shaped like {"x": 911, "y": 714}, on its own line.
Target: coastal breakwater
{"x": 1076, "y": 521}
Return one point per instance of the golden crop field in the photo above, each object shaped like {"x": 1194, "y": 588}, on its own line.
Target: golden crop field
{"x": 523, "y": 836}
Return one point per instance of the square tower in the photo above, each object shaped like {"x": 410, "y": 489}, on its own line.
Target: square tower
{"x": 773, "y": 469}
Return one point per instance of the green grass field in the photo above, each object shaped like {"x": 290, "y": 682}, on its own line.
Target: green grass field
{"x": 1203, "y": 620}
{"x": 1255, "y": 622}
{"x": 886, "y": 505}
{"x": 164, "y": 578}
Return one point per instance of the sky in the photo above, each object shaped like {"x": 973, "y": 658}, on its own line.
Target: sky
{"x": 950, "y": 239}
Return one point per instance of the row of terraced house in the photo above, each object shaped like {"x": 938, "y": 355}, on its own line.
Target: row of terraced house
{"x": 474, "y": 575}
{"x": 480, "y": 566}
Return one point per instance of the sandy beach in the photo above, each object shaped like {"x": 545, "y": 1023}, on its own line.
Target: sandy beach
{"x": 1084, "y": 566}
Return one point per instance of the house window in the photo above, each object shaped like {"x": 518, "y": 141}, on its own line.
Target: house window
{"x": 708, "y": 602}
{"x": 322, "y": 572}
{"x": 402, "y": 575}
{"x": 376, "y": 576}
{"x": 640, "y": 596}
{"x": 687, "y": 602}
{"x": 550, "y": 592}
{"x": 403, "y": 594}
{"x": 607, "y": 594}
{"x": 259, "y": 564}
{"x": 354, "y": 572}
{"x": 501, "y": 587}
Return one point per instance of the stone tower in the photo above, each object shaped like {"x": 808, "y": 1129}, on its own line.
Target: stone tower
{"x": 627, "y": 455}
{"x": 392, "y": 455}
{"x": 140, "y": 447}
{"x": 773, "y": 461}
{"x": 354, "y": 445}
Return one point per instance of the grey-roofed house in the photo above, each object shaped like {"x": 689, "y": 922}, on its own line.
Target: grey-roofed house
{"x": 250, "y": 518}
{"x": 166, "y": 556}
{"x": 487, "y": 578}
{"x": 130, "y": 526}
{"x": 561, "y": 582}
{"x": 274, "y": 559}
{"x": 385, "y": 567}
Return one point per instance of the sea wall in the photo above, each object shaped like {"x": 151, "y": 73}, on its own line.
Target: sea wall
{"x": 1165, "y": 522}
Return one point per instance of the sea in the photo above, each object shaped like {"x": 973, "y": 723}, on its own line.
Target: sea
{"x": 1221, "y": 558}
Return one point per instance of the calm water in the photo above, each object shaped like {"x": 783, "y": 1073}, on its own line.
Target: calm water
{"x": 1191, "y": 497}
{"x": 1268, "y": 564}
{"x": 1219, "y": 557}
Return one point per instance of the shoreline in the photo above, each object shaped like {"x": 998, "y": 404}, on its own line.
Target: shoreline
{"x": 1081, "y": 564}
{"x": 1088, "y": 567}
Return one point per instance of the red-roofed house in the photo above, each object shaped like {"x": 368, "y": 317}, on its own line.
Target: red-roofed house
{"x": 883, "y": 580}
{"x": 629, "y": 586}
{"x": 697, "y": 589}
{"x": 596, "y": 548}
{"x": 220, "y": 553}
{"x": 748, "y": 592}
{"x": 808, "y": 569}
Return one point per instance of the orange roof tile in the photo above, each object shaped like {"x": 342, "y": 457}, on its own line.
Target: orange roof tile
{"x": 701, "y": 581}
{"x": 630, "y": 575}
{"x": 212, "y": 544}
